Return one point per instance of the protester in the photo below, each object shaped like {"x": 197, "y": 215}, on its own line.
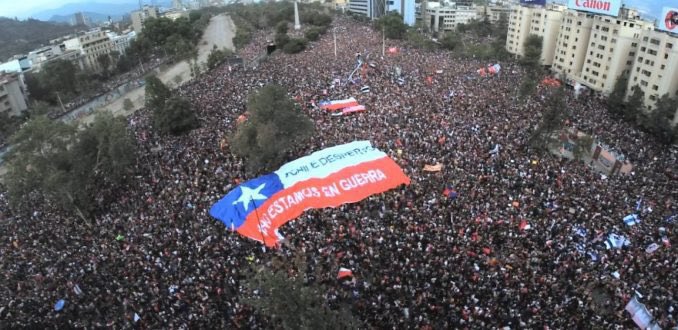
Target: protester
{"x": 520, "y": 244}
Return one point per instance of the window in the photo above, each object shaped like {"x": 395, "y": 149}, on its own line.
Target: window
{"x": 653, "y": 52}
{"x": 632, "y": 54}
{"x": 654, "y": 41}
{"x": 642, "y": 49}
{"x": 669, "y": 45}
{"x": 645, "y": 38}
{"x": 662, "y": 67}
{"x": 635, "y": 44}
{"x": 655, "y": 87}
{"x": 643, "y": 83}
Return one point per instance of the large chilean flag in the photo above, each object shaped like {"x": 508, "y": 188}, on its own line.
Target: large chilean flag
{"x": 330, "y": 177}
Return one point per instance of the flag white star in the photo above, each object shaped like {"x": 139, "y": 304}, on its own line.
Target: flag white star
{"x": 247, "y": 195}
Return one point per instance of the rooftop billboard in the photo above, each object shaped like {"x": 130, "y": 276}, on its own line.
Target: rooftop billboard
{"x": 604, "y": 7}
{"x": 668, "y": 21}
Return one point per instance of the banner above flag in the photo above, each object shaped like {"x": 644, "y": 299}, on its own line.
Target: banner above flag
{"x": 342, "y": 174}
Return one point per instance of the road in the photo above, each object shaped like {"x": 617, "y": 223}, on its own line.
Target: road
{"x": 219, "y": 32}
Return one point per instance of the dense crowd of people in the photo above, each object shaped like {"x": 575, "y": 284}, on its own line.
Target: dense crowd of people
{"x": 522, "y": 243}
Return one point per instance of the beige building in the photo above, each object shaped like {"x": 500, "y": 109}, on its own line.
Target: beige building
{"x": 613, "y": 46}
{"x": 493, "y": 13}
{"x": 518, "y": 29}
{"x": 572, "y": 44}
{"x": 91, "y": 45}
{"x": 12, "y": 99}
{"x": 138, "y": 17}
{"x": 655, "y": 69}
{"x": 443, "y": 19}
{"x": 545, "y": 23}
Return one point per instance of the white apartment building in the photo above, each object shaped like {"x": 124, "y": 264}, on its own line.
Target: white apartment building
{"x": 493, "y": 12}
{"x": 12, "y": 98}
{"x": 362, "y": 7}
{"x": 595, "y": 50}
{"x": 447, "y": 18}
{"x": 613, "y": 46}
{"x": 91, "y": 45}
{"x": 655, "y": 68}
{"x": 572, "y": 44}
{"x": 120, "y": 43}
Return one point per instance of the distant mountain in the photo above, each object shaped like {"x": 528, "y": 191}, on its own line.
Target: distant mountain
{"x": 91, "y": 17}
{"x": 118, "y": 9}
{"x": 20, "y": 37}
{"x": 95, "y": 8}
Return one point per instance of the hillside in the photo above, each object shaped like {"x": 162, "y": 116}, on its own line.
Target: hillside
{"x": 18, "y": 37}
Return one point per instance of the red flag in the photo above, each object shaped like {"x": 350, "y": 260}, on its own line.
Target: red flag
{"x": 487, "y": 250}
{"x": 429, "y": 80}
{"x": 393, "y": 50}
{"x": 344, "y": 272}
{"x": 524, "y": 225}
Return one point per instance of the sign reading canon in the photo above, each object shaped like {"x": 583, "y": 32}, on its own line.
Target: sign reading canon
{"x": 605, "y": 7}
{"x": 669, "y": 20}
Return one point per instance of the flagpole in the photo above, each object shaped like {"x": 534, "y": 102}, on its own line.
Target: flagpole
{"x": 334, "y": 31}
{"x": 263, "y": 238}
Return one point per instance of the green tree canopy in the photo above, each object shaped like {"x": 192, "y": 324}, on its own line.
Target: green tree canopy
{"x": 532, "y": 53}
{"x": 393, "y": 26}
{"x": 66, "y": 166}
{"x": 156, "y": 93}
{"x": 274, "y": 127}
{"x": 661, "y": 117}
{"x": 295, "y": 45}
{"x": 555, "y": 113}
{"x": 634, "y": 105}
{"x": 175, "y": 117}
{"x": 615, "y": 101}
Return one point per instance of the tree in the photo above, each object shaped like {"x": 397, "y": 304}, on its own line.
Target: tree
{"x": 660, "y": 119}
{"x": 450, "y": 41}
{"x": 293, "y": 303}
{"x": 533, "y": 46}
{"x": 615, "y": 101}
{"x": 127, "y": 104}
{"x": 527, "y": 86}
{"x": 216, "y": 57}
{"x": 281, "y": 27}
{"x": 55, "y": 161}
{"x": 156, "y": 93}
{"x": 555, "y": 112}
{"x": 393, "y": 26}
{"x": 281, "y": 39}
{"x": 273, "y": 128}
{"x": 313, "y": 33}
{"x": 582, "y": 147}
{"x": 295, "y": 45}
{"x": 105, "y": 62}
{"x": 176, "y": 116}
{"x": 634, "y": 105}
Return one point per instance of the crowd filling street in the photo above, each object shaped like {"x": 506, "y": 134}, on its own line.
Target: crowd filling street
{"x": 520, "y": 239}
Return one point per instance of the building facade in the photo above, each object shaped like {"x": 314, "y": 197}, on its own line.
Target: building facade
{"x": 594, "y": 50}
{"x": 138, "y": 17}
{"x": 361, "y": 7}
{"x": 405, "y": 8}
{"x": 447, "y": 18}
{"x": 90, "y": 45}
{"x": 12, "y": 97}
{"x": 655, "y": 68}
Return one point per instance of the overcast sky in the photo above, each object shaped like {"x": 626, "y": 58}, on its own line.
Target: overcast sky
{"x": 24, "y": 8}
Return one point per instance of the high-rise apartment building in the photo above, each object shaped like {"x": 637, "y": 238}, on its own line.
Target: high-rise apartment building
{"x": 91, "y": 45}
{"x": 595, "y": 49}
{"x": 12, "y": 98}
{"x": 655, "y": 68}
{"x": 613, "y": 45}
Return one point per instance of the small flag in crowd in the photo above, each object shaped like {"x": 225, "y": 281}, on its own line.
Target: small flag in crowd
{"x": 639, "y": 204}
{"x": 652, "y": 247}
{"x": 136, "y": 317}
{"x": 119, "y": 237}
{"x": 365, "y": 89}
{"x": 344, "y": 272}
{"x": 393, "y": 50}
{"x": 77, "y": 290}
{"x": 581, "y": 231}
{"x": 631, "y": 219}
{"x": 616, "y": 274}
{"x": 616, "y": 241}
{"x": 59, "y": 305}
{"x": 666, "y": 241}
{"x": 401, "y": 81}
{"x": 524, "y": 225}
{"x": 671, "y": 218}
{"x": 450, "y": 192}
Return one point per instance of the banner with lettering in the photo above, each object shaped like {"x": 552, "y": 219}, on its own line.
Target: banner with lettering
{"x": 605, "y": 7}
{"x": 330, "y": 177}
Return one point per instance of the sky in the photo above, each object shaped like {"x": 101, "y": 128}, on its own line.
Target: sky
{"x": 24, "y": 8}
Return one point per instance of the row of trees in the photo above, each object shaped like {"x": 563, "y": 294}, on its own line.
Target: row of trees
{"x": 632, "y": 109}
{"x": 66, "y": 165}
{"x": 277, "y": 16}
